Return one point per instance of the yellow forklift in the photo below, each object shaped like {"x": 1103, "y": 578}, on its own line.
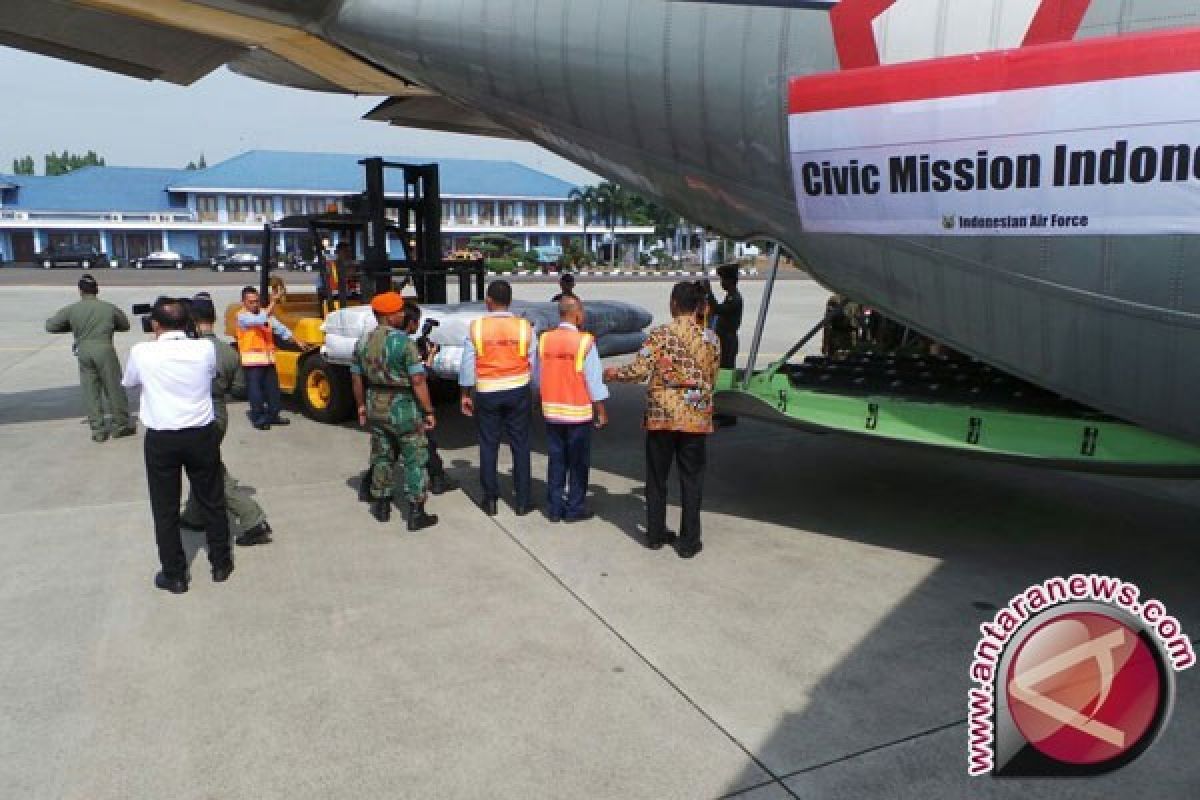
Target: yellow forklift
{"x": 370, "y": 221}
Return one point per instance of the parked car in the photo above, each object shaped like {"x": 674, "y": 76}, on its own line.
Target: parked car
{"x": 84, "y": 256}
{"x": 243, "y": 260}
{"x": 161, "y": 259}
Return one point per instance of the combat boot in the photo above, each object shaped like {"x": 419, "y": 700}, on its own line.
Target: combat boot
{"x": 381, "y": 509}
{"x": 441, "y": 483}
{"x": 418, "y": 519}
{"x": 364, "y": 487}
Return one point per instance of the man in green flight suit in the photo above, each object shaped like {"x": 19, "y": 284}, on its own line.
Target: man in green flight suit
{"x": 93, "y": 321}
{"x": 245, "y": 514}
{"x": 393, "y": 398}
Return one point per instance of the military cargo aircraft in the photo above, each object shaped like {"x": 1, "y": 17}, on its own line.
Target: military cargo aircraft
{"x": 1019, "y": 179}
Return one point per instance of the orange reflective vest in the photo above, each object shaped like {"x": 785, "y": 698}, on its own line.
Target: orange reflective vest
{"x": 501, "y": 353}
{"x": 256, "y": 345}
{"x": 565, "y": 397}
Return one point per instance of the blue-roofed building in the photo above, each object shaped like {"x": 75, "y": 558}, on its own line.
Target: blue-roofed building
{"x": 129, "y": 212}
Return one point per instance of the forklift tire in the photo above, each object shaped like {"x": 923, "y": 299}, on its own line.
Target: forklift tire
{"x": 324, "y": 390}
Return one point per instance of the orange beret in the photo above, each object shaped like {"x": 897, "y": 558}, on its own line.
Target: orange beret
{"x": 387, "y": 303}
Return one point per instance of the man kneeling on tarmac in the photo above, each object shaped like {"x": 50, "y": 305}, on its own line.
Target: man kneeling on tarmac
{"x": 393, "y": 399}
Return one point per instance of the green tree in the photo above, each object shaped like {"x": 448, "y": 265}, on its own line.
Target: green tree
{"x": 584, "y": 199}
{"x": 194, "y": 165}
{"x": 614, "y": 203}
{"x": 23, "y": 166}
{"x": 61, "y": 164}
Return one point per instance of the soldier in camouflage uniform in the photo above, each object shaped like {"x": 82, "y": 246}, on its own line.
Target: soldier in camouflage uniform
{"x": 839, "y": 326}
{"x": 93, "y": 321}
{"x": 393, "y": 399}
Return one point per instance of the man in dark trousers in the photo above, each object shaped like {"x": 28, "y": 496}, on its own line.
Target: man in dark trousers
{"x": 499, "y": 358}
{"x": 93, "y": 321}
{"x": 573, "y": 394}
{"x": 257, "y": 328}
{"x": 679, "y": 360}
{"x": 176, "y": 375}
{"x": 727, "y": 319}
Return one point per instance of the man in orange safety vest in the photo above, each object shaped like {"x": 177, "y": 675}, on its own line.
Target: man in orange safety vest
{"x": 499, "y": 357}
{"x": 573, "y": 393}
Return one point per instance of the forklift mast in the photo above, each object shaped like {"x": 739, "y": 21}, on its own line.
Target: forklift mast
{"x": 416, "y": 223}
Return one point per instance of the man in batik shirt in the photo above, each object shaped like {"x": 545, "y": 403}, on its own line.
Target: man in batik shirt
{"x": 680, "y": 361}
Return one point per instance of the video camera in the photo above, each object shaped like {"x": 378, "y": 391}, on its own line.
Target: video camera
{"x": 423, "y": 339}
{"x": 144, "y": 310}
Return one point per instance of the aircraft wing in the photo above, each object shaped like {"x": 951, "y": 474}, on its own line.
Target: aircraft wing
{"x": 126, "y": 45}
{"x": 181, "y": 41}
{"x": 436, "y": 113}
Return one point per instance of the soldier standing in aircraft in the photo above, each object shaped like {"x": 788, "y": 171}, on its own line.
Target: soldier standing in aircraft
{"x": 727, "y": 318}
{"x": 93, "y": 321}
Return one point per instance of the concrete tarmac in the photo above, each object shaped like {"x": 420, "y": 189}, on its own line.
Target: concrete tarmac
{"x": 818, "y": 648}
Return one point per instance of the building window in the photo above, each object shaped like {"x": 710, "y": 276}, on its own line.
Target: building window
{"x": 462, "y": 213}
{"x": 210, "y": 245}
{"x": 532, "y": 215}
{"x": 262, "y": 207}
{"x": 554, "y": 213}
{"x": 487, "y": 212}
{"x": 238, "y": 207}
{"x": 206, "y": 207}
{"x": 508, "y": 214}
{"x": 237, "y": 239}
{"x": 447, "y": 212}
{"x": 294, "y": 206}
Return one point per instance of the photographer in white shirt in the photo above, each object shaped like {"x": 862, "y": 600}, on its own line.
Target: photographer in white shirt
{"x": 176, "y": 409}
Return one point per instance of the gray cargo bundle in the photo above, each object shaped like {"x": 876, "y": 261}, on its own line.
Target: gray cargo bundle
{"x": 617, "y": 327}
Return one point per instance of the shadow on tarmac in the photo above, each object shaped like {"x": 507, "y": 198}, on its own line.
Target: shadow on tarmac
{"x": 887, "y": 720}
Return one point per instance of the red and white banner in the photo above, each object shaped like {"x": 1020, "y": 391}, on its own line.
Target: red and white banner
{"x": 1098, "y": 136}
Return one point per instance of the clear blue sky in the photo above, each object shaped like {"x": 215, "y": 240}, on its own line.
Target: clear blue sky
{"x": 56, "y": 105}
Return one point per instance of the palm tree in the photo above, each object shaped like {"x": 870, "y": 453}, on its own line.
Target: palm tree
{"x": 587, "y": 200}
{"x": 615, "y": 202}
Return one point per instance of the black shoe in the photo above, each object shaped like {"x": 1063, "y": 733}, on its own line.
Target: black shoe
{"x": 121, "y": 433}
{"x": 689, "y": 552}
{"x": 488, "y": 504}
{"x": 259, "y": 534}
{"x": 418, "y": 519}
{"x": 381, "y": 509}
{"x": 281, "y": 421}
{"x": 221, "y": 574}
{"x": 657, "y": 542}
{"x": 263, "y": 426}
{"x": 442, "y": 483}
{"x": 99, "y": 436}
{"x": 581, "y": 517}
{"x": 364, "y": 487}
{"x": 523, "y": 510}
{"x": 172, "y": 585}
{"x": 551, "y": 516}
